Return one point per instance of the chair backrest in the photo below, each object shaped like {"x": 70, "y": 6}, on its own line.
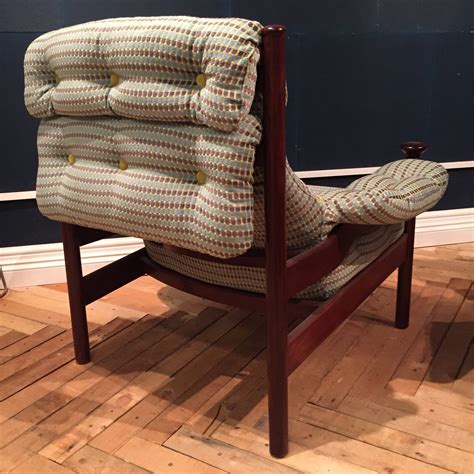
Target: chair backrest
{"x": 146, "y": 128}
{"x": 180, "y": 69}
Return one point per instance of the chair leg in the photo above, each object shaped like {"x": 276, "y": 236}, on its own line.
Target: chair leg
{"x": 405, "y": 272}
{"x": 277, "y": 368}
{"x": 72, "y": 257}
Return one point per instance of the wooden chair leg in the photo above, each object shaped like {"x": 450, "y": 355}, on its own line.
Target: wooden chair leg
{"x": 276, "y": 299}
{"x": 277, "y": 368}
{"x": 72, "y": 257}
{"x": 405, "y": 272}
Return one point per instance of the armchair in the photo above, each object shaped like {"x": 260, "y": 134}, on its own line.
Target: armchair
{"x": 152, "y": 127}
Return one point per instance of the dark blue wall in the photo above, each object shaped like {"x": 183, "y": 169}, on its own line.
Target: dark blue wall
{"x": 364, "y": 75}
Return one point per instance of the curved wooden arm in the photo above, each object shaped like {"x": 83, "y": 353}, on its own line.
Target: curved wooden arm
{"x": 413, "y": 149}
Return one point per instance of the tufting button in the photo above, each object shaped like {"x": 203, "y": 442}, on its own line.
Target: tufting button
{"x": 201, "y": 80}
{"x": 56, "y": 78}
{"x": 201, "y": 177}
{"x": 71, "y": 158}
{"x": 123, "y": 165}
{"x": 114, "y": 79}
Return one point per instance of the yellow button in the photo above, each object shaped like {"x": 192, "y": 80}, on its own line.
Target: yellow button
{"x": 56, "y": 78}
{"x": 201, "y": 177}
{"x": 72, "y": 159}
{"x": 123, "y": 165}
{"x": 114, "y": 79}
{"x": 201, "y": 80}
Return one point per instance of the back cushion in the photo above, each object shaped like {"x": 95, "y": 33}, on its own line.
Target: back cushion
{"x": 182, "y": 69}
{"x": 182, "y": 184}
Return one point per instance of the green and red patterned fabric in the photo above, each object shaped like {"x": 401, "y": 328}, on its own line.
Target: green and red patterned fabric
{"x": 178, "y": 69}
{"x": 160, "y": 195}
{"x": 380, "y": 201}
{"x": 148, "y": 130}
{"x": 180, "y": 91}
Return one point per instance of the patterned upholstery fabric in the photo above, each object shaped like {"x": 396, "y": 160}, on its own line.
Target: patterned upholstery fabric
{"x": 372, "y": 242}
{"x": 183, "y": 69}
{"x": 397, "y": 192}
{"x": 158, "y": 196}
{"x": 174, "y": 161}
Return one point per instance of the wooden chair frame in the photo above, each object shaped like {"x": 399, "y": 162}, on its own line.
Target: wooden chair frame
{"x": 286, "y": 274}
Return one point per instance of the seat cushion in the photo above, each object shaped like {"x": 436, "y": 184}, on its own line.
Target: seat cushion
{"x": 368, "y": 246}
{"x": 199, "y": 70}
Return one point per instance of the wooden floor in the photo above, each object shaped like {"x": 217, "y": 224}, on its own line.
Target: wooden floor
{"x": 177, "y": 384}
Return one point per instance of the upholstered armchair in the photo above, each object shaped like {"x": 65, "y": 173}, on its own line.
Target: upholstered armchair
{"x": 172, "y": 129}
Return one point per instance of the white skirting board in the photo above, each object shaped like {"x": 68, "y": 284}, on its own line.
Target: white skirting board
{"x": 452, "y": 226}
{"x": 44, "y": 264}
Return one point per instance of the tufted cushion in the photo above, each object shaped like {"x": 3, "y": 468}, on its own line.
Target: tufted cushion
{"x": 395, "y": 193}
{"x": 146, "y": 68}
{"x": 368, "y": 246}
{"x": 157, "y": 196}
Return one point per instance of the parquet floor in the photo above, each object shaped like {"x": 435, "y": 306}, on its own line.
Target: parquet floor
{"x": 177, "y": 384}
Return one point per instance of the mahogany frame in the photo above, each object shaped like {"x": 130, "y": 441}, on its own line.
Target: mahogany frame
{"x": 286, "y": 275}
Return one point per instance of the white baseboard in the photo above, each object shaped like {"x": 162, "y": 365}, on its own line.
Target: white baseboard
{"x": 44, "y": 264}
{"x": 452, "y": 226}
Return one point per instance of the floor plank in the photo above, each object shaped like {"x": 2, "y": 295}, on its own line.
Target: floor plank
{"x": 38, "y": 369}
{"x": 28, "y": 343}
{"x": 379, "y": 371}
{"x": 464, "y": 383}
{"x": 387, "y": 438}
{"x": 301, "y": 458}
{"x": 408, "y": 423}
{"x": 158, "y": 458}
{"x": 10, "y": 337}
{"x": 416, "y": 363}
{"x": 39, "y": 464}
{"x": 17, "y": 323}
{"x": 89, "y": 460}
{"x": 222, "y": 455}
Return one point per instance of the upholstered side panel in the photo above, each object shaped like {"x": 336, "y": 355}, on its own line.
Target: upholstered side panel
{"x": 182, "y": 184}
{"x": 305, "y": 213}
{"x": 185, "y": 69}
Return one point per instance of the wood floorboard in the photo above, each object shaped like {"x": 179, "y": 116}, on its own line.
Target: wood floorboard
{"x": 178, "y": 383}
{"x": 9, "y": 337}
